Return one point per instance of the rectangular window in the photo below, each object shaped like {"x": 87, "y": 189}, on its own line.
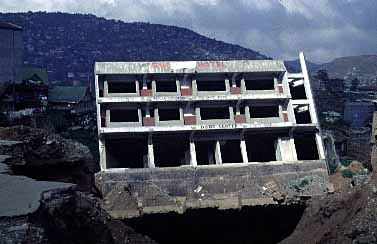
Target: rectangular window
{"x": 122, "y": 87}
{"x": 123, "y": 115}
{"x": 166, "y": 86}
{"x": 260, "y": 147}
{"x": 211, "y": 85}
{"x": 168, "y": 114}
{"x": 260, "y": 84}
{"x": 171, "y": 150}
{"x": 306, "y": 147}
{"x": 231, "y": 151}
{"x": 302, "y": 114}
{"x": 214, "y": 113}
{"x": 126, "y": 153}
{"x": 205, "y": 152}
{"x": 264, "y": 112}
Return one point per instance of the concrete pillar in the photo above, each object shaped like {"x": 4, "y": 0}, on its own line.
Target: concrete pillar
{"x": 194, "y": 87}
{"x": 193, "y": 161}
{"x": 137, "y": 86}
{"x": 227, "y": 85}
{"x": 102, "y": 153}
{"x": 243, "y": 85}
{"x": 285, "y": 149}
{"x": 231, "y": 113}
{"x": 218, "y": 153}
{"x": 150, "y": 153}
{"x": 245, "y": 158}
{"x": 321, "y": 151}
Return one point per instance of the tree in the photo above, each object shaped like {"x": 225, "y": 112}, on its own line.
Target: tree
{"x": 354, "y": 84}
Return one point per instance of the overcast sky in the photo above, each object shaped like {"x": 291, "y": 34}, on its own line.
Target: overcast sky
{"x": 323, "y": 29}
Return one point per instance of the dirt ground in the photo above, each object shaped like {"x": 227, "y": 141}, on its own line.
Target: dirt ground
{"x": 347, "y": 216}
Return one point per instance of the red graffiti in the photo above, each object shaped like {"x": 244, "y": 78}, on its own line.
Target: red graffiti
{"x": 160, "y": 65}
{"x": 201, "y": 65}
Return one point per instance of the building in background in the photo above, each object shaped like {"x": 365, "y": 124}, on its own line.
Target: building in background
{"x": 11, "y": 53}
{"x": 75, "y": 100}
{"x": 358, "y": 114}
{"x": 222, "y": 134}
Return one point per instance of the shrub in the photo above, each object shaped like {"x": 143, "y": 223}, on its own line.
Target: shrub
{"x": 346, "y": 163}
{"x": 347, "y": 173}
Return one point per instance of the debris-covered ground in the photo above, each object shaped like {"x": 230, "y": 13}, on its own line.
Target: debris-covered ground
{"x": 347, "y": 216}
{"x": 48, "y": 196}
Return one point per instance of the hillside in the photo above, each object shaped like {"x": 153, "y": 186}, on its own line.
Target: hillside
{"x": 363, "y": 67}
{"x": 69, "y": 44}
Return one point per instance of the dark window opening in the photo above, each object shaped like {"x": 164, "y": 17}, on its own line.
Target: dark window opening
{"x": 302, "y": 115}
{"x": 124, "y": 115}
{"x": 231, "y": 151}
{"x": 166, "y": 86}
{"x": 126, "y": 153}
{"x": 265, "y": 84}
{"x": 122, "y": 87}
{"x": 211, "y": 85}
{"x": 297, "y": 91}
{"x": 168, "y": 114}
{"x": 260, "y": 147}
{"x": 171, "y": 150}
{"x": 306, "y": 147}
{"x": 214, "y": 113}
{"x": 149, "y": 84}
{"x": 264, "y": 112}
{"x": 205, "y": 152}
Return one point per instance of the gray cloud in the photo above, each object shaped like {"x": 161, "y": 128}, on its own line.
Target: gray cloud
{"x": 324, "y": 29}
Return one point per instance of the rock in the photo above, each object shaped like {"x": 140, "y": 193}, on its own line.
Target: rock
{"x": 34, "y": 147}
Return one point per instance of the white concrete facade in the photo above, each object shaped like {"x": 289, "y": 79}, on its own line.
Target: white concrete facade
{"x": 203, "y": 113}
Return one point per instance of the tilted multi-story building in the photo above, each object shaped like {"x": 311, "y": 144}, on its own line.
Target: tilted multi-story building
{"x": 223, "y": 134}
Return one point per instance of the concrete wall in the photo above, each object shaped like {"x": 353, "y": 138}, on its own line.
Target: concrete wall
{"x": 11, "y": 55}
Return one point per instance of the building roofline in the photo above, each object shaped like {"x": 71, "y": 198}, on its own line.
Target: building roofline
{"x": 238, "y": 66}
{"x": 9, "y": 26}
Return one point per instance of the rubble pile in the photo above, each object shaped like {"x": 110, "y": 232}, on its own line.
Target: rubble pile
{"x": 344, "y": 217}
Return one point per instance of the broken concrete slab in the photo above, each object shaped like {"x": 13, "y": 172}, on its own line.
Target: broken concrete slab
{"x": 132, "y": 193}
{"x": 21, "y": 195}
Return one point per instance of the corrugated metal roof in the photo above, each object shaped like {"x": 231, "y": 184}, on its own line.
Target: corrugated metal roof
{"x": 70, "y": 94}
{"x": 11, "y": 26}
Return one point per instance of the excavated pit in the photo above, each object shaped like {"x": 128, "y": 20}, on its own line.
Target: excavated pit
{"x": 259, "y": 224}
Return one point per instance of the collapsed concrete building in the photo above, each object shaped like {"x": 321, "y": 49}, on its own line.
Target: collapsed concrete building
{"x": 214, "y": 134}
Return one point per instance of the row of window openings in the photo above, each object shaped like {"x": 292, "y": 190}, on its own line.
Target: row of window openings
{"x": 302, "y": 114}
{"x": 170, "y": 152}
{"x": 201, "y": 85}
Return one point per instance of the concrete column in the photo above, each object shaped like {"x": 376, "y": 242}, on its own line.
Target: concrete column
{"x": 105, "y": 88}
{"x": 227, "y": 85}
{"x": 308, "y": 91}
{"x": 321, "y": 151}
{"x": 140, "y": 115}
{"x": 231, "y": 114}
{"x": 150, "y": 153}
{"x": 178, "y": 85}
{"x": 247, "y": 113}
{"x": 243, "y": 85}
{"x": 147, "y": 112}
{"x": 245, "y": 158}
{"x": 137, "y": 86}
{"x": 194, "y": 87}
{"x": 153, "y": 87}
{"x": 218, "y": 153}
{"x": 285, "y": 149}
{"x": 102, "y": 153}
{"x": 193, "y": 161}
